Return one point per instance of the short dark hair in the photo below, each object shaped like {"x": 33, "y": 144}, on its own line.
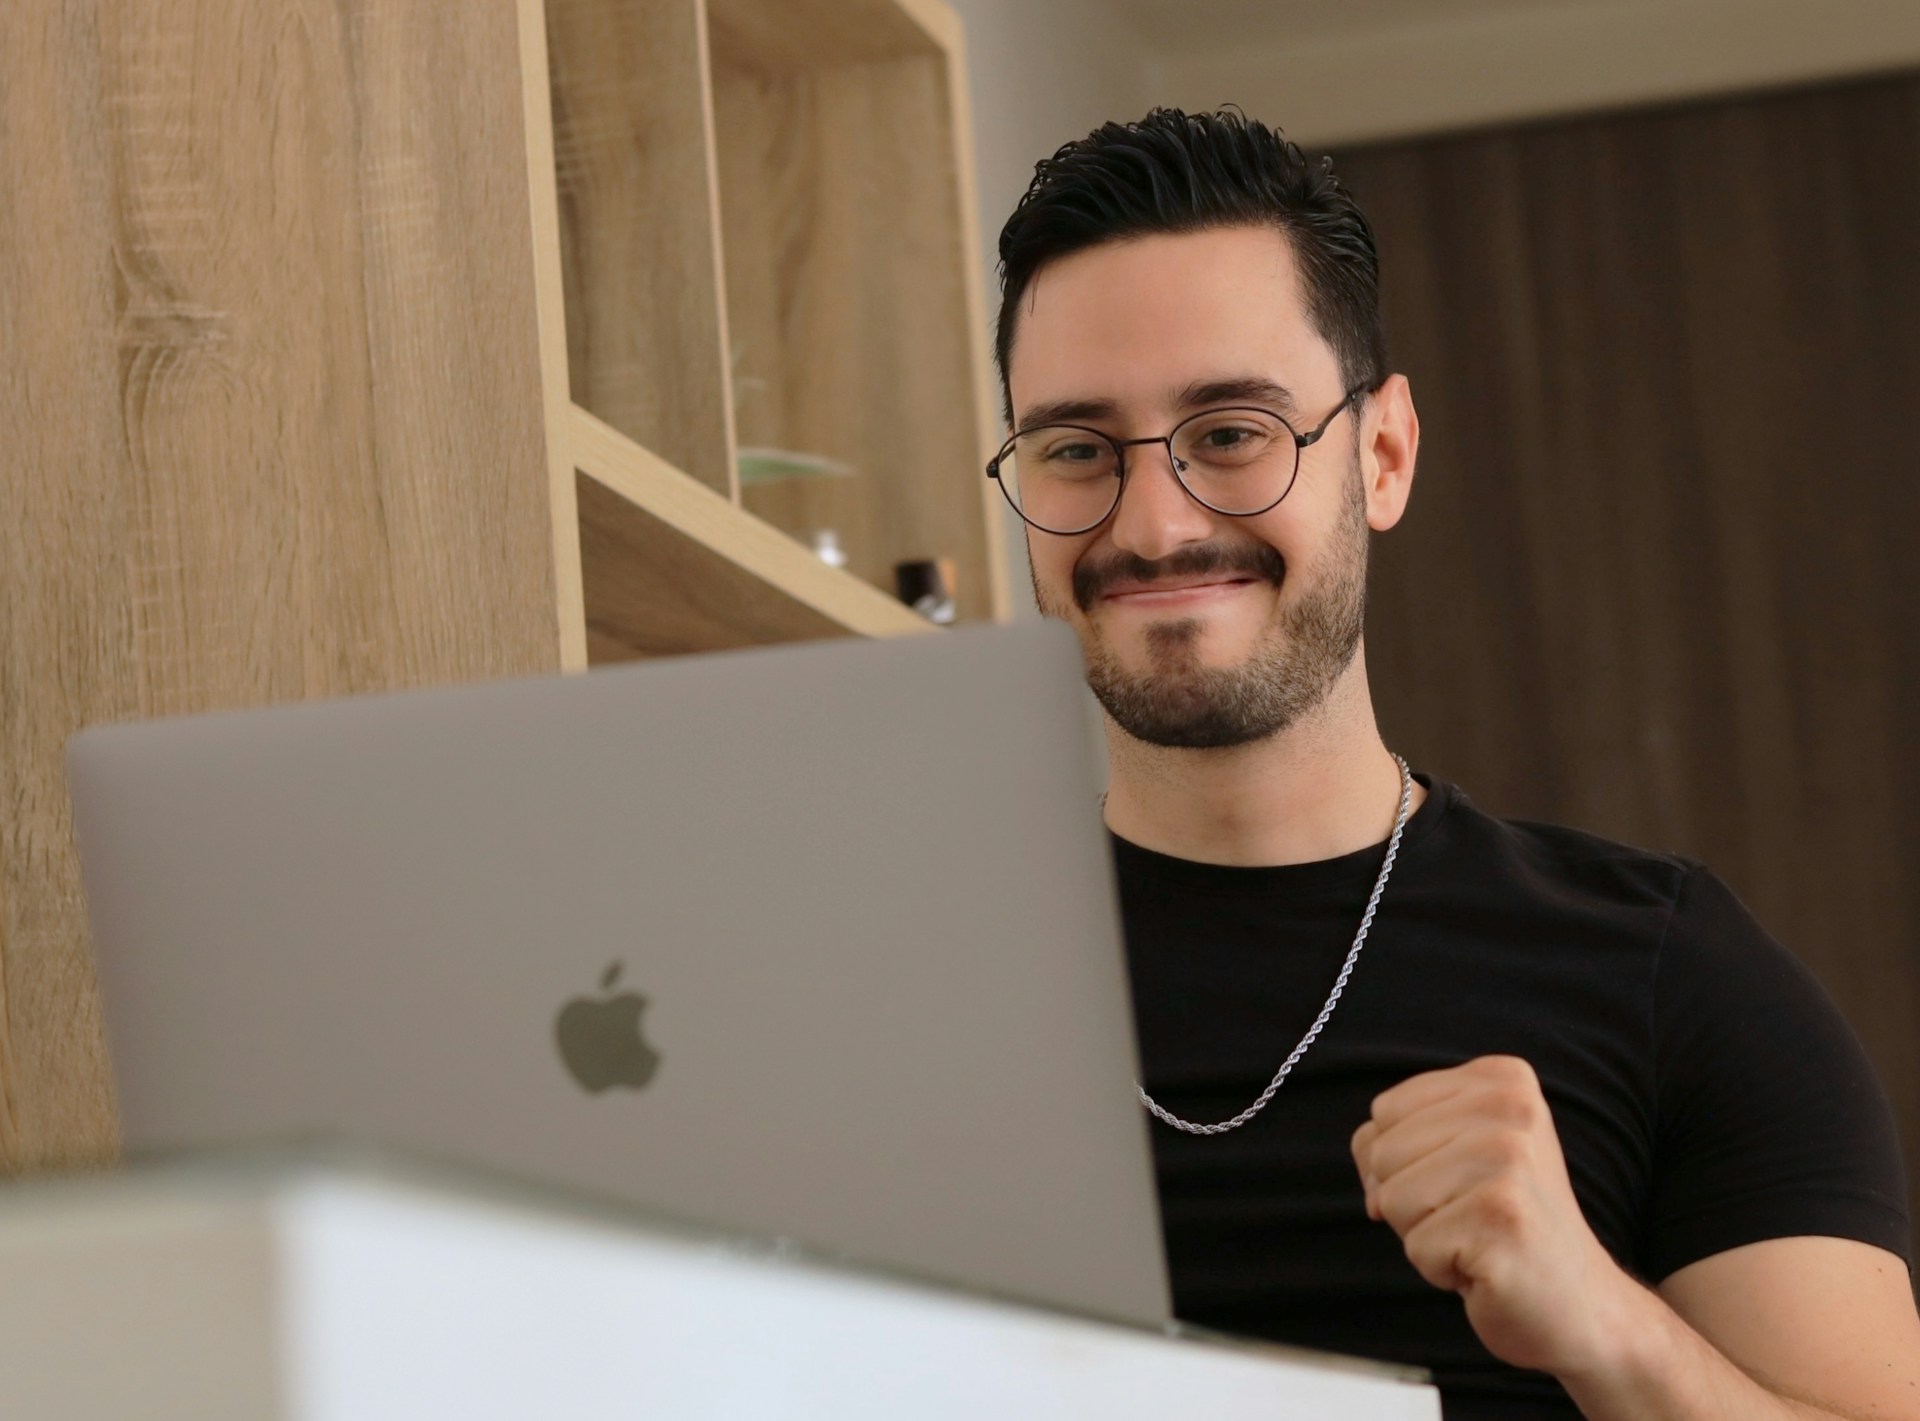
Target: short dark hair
{"x": 1176, "y": 172}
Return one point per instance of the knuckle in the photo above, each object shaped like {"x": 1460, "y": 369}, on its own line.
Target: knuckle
{"x": 1500, "y": 1207}
{"x": 1511, "y": 1072}
{"x": 1430, "y": 1261}
{"x": 1514, "y": 1095}
{"x": 1517, "y": 1068}
{"x": 1390, "y": 1197}
{"x": 1509, "y": 1150}
{"x": 1513, "y": 1107}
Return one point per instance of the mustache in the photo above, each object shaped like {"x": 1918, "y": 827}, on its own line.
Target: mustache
{"x": 1263, "y": 562}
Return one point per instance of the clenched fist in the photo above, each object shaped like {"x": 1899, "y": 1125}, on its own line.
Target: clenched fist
{"x": 1466, "y": 1166}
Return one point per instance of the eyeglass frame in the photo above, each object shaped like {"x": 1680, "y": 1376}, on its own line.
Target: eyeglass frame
{"x": 1120, "y": 447}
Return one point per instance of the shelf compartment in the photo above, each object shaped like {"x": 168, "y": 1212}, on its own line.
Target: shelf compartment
{"x": 671, "y": 568}
{"x": 639, "y": 227}
{"x": 851, "y": 313}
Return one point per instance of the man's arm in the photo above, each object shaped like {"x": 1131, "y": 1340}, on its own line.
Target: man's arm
{"x": 1466, "y": 1166}
{"x": 1824, "y": 1326}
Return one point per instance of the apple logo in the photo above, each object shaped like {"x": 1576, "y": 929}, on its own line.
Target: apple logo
{"x": 600, "y": 1038}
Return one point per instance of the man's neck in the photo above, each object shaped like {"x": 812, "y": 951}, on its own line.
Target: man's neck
{"x": 1325, "y": 787}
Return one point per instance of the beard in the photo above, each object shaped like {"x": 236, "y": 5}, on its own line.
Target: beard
{"x": 1178, "y": 702}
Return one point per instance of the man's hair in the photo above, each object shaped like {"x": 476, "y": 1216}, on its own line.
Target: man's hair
{"x": 1174, "y": 172}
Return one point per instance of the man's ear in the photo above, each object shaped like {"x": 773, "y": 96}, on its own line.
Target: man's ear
{"x": 1389, "y": 444}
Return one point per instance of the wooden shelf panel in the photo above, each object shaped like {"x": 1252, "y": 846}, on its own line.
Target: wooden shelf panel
{"x": 671, "y": 568}
{"x": 639, "y": 227}
{"x": 789, "y": 34}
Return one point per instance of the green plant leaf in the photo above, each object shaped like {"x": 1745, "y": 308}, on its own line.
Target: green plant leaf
{"x": 766, "y": 466}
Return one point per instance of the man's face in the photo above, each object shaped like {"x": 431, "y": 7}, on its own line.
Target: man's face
{"x": 1135, "y": 326}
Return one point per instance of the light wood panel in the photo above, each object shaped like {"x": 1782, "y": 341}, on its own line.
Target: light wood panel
{"x": 852, "y": 321}
{"x": 549, "y": 302}
{"x": 673, "y": 568}
{"x": 802, "y": 34}
{"x": 1655, "y": 579}
{"x": 639, "y": 222}
{"x": 939, "y": 20}
{"x": 270, "y": 413}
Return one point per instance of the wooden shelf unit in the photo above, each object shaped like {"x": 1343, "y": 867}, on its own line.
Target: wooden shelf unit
{"x": 764, "y": 219}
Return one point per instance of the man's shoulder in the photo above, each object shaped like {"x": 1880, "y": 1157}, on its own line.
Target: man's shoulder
{"x": 1670, "y": 904}
{"x": 1585, "y": 868}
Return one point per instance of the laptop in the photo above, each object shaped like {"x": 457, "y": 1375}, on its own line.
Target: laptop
{"x": 816, "y": 941}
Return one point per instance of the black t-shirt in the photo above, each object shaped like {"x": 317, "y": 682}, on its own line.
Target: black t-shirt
{"x": 1706, "y": 1092}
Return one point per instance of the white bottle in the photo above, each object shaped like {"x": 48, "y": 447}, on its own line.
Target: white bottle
{"x": 826, "y": 546}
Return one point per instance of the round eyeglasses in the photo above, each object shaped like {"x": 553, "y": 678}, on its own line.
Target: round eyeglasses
{"x": 1240, "y": 461}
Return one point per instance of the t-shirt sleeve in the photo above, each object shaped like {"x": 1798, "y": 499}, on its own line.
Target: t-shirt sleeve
{"x": 1770, "y": 1121}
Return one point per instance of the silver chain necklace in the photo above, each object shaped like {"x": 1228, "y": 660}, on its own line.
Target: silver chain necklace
{"x": 1333, "y": 997}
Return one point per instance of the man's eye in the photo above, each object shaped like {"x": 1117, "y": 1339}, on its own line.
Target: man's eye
{"x": 1235, "y": 443}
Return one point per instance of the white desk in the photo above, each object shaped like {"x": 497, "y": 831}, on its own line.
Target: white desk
{"x": 327, "y": 1287}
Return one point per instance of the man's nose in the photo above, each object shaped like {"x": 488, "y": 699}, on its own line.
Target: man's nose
{"x": 1156, "y": 513}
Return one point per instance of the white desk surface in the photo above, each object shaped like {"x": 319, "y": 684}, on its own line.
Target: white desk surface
{"x": 325, "y": 1285}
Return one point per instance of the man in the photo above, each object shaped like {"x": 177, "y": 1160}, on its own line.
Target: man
{"x": 1564, "y": 1124}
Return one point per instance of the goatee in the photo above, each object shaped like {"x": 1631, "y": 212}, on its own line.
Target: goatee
{"x": 1178, "y": 702}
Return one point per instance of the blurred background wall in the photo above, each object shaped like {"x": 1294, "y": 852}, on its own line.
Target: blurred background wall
{"x": 1650, "y": 270}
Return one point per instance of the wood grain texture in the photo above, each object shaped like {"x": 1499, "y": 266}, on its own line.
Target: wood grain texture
{"x": 639, "y": 221}
{"x": 672, "y": 568}
{"x": 776, "y": 36}
{"x": 270, "y": 413}
{"x": 1656, "y": 578}
{"x": 852, "y": 318}
{"x": 550, "y": 318}
{"x": 938, "y": 19}
{"x": 651, "y": 591}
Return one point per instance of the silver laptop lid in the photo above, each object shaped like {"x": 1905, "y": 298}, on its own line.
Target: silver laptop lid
{"x": 829, "y": 931}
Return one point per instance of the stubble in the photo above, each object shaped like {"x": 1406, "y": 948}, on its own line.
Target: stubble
{"x": 1178, "y": 702}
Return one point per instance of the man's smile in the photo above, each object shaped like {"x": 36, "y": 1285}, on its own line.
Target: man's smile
{"x": 1174, "y": 592}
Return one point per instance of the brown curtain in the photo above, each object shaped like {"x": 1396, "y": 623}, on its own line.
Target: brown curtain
{"x": 1659, "y": 577}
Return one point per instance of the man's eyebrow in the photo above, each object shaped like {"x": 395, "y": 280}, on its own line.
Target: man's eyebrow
{"x": 1237, "y": 390}
{"x": 1201, "y": 394}
{"x": 1067, "y": 412}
